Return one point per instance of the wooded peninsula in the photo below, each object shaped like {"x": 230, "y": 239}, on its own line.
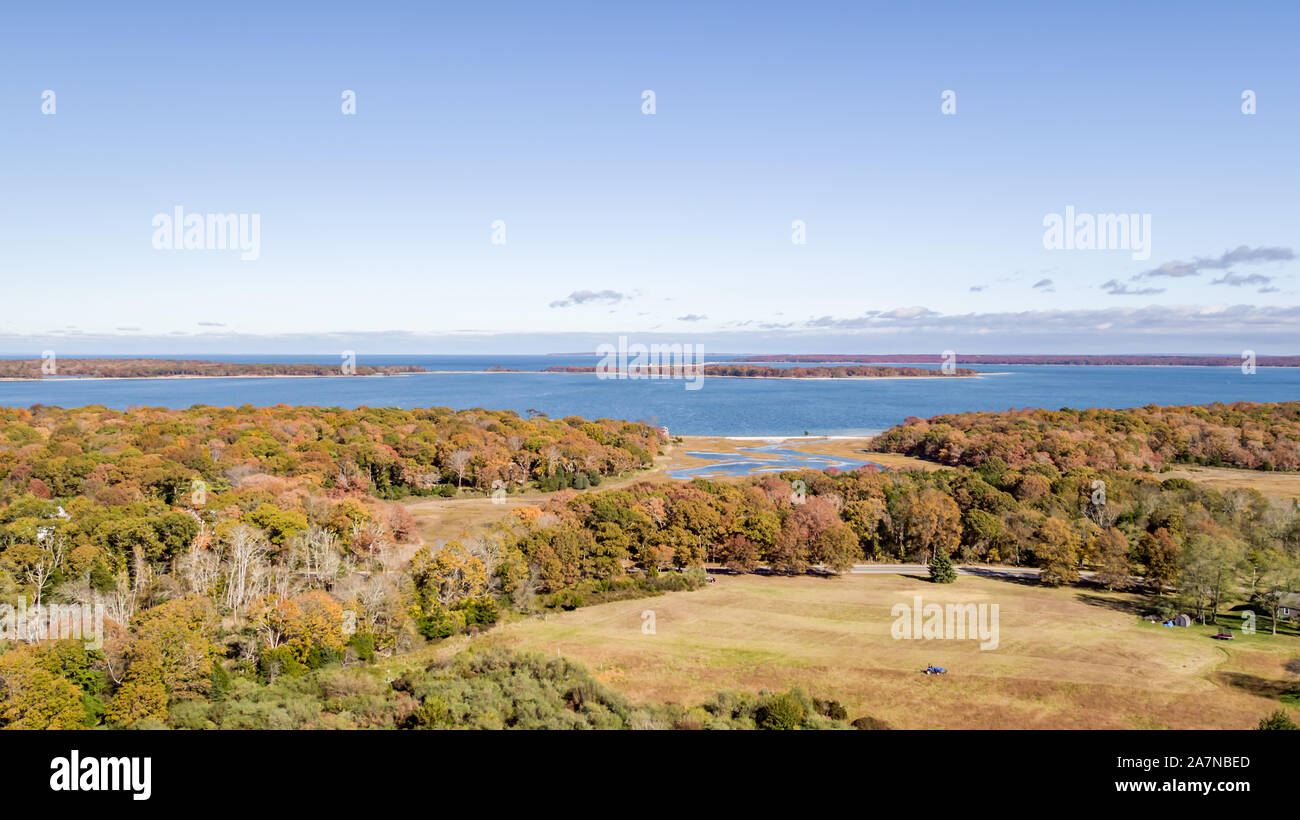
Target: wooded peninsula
{"x": 1064, "y": 359}
{"x": 743, "y": 371}
{"x": 179, "y": 368}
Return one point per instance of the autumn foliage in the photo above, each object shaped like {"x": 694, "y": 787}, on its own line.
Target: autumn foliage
{"x": 117, "y": 457}
{"x": 1244, "y": 434}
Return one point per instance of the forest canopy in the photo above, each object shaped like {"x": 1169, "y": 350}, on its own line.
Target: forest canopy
{"x": 254, "y": 563}
{"x": 117, "y": 457}
{"x": 1243, "y": 434}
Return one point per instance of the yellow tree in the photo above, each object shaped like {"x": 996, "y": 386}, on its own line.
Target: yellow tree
{"x": 312, "y": 620}
{"x": 171, "y": 657}
{"x": 35, "y": 698}
{"x": 142, "y": 695}
{"x": 449, "y": 575}
{"x": 1058, "y": 552}
{"x": 931, "y": 521}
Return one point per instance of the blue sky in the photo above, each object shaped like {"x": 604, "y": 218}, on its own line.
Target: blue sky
{"x": 923, "y": 230}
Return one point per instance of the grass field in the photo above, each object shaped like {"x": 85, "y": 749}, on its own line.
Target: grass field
{"x": 1068, "y": 658}
{"x": 1278, "y": 486}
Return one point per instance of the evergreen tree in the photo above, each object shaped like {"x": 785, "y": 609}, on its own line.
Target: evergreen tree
{"x": 941, "y": 568}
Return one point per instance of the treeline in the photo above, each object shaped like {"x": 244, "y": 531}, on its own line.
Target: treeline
{"x": 1067, "y": 359}
{"x": 1186, "y": 545}
{"x": 162, "y": 368}
{"x": 1243, "y": 434}
{"x": 118, "y": 458}
{"x": 1123, "y": 524}
{"x": 739, "y": 371}
{"x": 856, "y": 372}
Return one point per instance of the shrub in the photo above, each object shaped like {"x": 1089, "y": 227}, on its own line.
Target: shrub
{"x": 346, "y": 683}
{"x": 870, "y": 724}
{"x": 482, "y": 611}
{"x": 1278, "y": 720}
{"x": 567, "y": 600}
{"x": 188, "y": 714}
{"x": 437, "y": 624}
{"x": 274, "y": 663}
{"x": 780, "y": 712}
{"x": 363, "y": 643}
{"x": 319, "y": 656}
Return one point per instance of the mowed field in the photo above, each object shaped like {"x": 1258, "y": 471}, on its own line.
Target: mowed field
{"x": 1277, "y": 486}
{"x": 1067, "y": 658}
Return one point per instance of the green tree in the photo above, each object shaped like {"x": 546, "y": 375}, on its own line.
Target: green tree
{"x": 941, "y": 569}
{"x": 1278, "y": 720}
{"x": 1279, "y": 574}
{"x": 176, "y": 531}
{"x": 981, "y": 531}
{"x": 280, "y": 525}
{"x": 1208, "y": 566}
{"x": 869, "y": 519}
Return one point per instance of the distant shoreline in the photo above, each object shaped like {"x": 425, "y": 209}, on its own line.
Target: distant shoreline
{"x": 70, "y": 368}
{"x": 1262, "y": 363}
{"x": 188, "y": 376}
{"x": 473, "y": 372}
{"x": 1041, "y": 360}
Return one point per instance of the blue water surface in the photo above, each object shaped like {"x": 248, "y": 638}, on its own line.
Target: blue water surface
{"x": 723, "y": 406}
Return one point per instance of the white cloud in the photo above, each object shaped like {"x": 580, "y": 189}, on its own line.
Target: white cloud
{"x": 582, "y": 297}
